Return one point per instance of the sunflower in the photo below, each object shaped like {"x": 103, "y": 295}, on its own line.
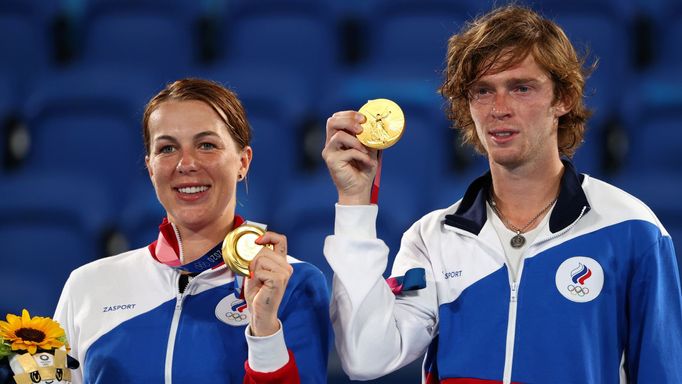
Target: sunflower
{"x": 30, "y": 334}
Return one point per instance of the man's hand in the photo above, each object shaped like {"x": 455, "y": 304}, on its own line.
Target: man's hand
{"x": 351, "y": 164}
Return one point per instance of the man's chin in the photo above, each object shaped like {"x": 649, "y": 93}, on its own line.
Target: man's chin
{"x": 505, "y": 158}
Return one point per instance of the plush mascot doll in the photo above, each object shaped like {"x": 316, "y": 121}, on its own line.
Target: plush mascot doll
{"x": 33, "y": 350}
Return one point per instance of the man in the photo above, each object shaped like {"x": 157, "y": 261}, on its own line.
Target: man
{"x": 538, "y": 274}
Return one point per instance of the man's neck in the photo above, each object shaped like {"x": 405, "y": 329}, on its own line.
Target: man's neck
{"x": 521, "y": 192}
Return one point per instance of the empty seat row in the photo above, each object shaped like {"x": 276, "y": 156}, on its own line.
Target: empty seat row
{"x": 314, "y": 37}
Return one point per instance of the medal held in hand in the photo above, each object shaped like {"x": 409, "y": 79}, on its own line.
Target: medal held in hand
{"x": 384, "y": 125}
{"x": 239, "y": 247}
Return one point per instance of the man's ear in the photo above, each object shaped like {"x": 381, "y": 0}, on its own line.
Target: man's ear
{"x": 561, "y": 107}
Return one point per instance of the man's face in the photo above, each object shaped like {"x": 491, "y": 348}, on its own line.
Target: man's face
{"x": 515, "y": 114}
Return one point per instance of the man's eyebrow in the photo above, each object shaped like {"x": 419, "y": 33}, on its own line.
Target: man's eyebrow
{"x": 523, "y": 80}
{"x": 512, "y": 81}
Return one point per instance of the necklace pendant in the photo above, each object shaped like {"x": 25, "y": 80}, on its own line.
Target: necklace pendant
{"x": 517, "y": 241}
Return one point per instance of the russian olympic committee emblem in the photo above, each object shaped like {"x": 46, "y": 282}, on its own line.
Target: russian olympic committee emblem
{"x": 232, "y": 311}
{"x": 580, "y": 279}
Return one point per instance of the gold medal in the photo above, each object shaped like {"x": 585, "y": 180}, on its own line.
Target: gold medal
{"x": 384, "y": 125}
{"x": 239, "y": 247}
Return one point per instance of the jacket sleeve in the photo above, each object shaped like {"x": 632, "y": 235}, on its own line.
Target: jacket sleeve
{"x": 287, "y": 374}
{"x": 654, "y": 350}
{"x": 376, "y": 332}
{"x": 305, "y": 334}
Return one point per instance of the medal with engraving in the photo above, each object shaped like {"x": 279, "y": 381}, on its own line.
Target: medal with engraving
{"x": 239, "y": 247}
{"x": 384, "y": 124}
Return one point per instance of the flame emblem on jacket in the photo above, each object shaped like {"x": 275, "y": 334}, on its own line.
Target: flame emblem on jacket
{"x": 579, "y": 276}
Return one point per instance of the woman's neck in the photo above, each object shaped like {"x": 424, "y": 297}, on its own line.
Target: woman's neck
{"x": 197, "y": 242}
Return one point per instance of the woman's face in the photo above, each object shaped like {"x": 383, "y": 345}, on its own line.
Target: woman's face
{"x": 194, "y": 164}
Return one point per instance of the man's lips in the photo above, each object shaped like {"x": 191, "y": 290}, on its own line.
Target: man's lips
{"x": 502, "y": 135}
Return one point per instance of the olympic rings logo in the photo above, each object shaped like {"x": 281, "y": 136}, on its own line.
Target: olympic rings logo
{"x": 235, "y": 316}
{"x": 578, "y": 290}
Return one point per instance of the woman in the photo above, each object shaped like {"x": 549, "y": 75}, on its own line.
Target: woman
{"x": 173, "y": 312}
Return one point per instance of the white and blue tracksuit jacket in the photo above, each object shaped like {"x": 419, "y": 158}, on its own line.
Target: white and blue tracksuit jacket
{"x": 126, "y": 322}
{"x": 597, "y": 299}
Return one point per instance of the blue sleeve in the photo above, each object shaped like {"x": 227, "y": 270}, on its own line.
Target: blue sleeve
{"x": 654, "y": 350}
{"x": 305, "y": 318}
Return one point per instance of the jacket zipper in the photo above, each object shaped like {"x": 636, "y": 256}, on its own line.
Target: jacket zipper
{"x": 177, "y": 236}
{"x": 170, "y": 347}
{"x": 511, "y": 326}
{"x": 513, "y": 298}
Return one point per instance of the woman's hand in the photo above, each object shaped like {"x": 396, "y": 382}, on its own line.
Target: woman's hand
{"x": 270, "y": 273}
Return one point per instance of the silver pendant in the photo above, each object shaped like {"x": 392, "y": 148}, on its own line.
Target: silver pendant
{"x": 517, "y": 241}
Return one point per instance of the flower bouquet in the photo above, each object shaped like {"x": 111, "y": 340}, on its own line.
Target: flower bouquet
{"x": 33, "y": 350}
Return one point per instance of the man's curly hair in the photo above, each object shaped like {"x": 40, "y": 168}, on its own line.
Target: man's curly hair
{"x": 501, "y": 39}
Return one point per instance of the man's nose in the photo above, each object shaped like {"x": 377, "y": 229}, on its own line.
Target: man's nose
{"x": 500, "y": 106}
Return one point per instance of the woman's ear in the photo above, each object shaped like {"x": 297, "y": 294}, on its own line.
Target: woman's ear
{"x": 246, "y": 155}
{"x": 149, "y": 168}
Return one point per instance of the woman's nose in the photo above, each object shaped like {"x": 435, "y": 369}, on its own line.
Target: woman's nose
{"x": 187, "y": 163}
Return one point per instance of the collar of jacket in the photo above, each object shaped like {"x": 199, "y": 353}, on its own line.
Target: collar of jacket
{"x": 471, "y": 213}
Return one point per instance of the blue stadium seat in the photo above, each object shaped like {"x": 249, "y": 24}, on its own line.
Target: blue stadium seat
{"x": 306, "y": 216}
{"x": 25, "y": 36}
{"x": 8, "y": 96}
{"x": 49, "y": 225}
{"x": 6, "y": 107}
{"x": 154, "y": 35}
{"x": 296, "y": 35}
{"x": 451, "y": 189}
{"x": 141, "y": 215}
{"x": 88, "y": 121}
{"x": 653, "y": 112}
{"x": 668, "y": 32}
{"x": 412, "y": 36}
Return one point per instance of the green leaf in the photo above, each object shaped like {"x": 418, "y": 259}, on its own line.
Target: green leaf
{"x": 5, "y": 349}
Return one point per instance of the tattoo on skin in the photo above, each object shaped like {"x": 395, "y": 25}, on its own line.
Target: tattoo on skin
{"x": 267, "y": 300}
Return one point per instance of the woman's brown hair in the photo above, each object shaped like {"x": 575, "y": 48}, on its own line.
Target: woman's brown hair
{"x": 222, "y": 100}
